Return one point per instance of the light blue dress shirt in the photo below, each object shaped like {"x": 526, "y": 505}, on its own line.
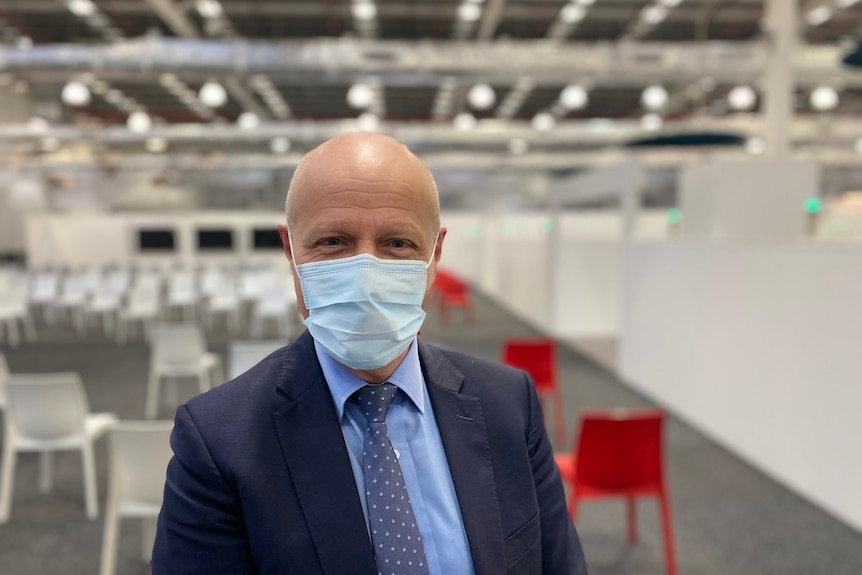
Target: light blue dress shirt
{"x": 414, "y": 435}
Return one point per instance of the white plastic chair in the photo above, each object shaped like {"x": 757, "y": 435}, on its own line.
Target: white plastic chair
{"x": 224, "y": 301}
{"x": 105, "y": 304}
{"x": 49, "y": 412}
{"x": 44, "y": 291}
{"x": 278, "y": 304}
{"x": 178, "y": 350}
{"x": 143, "y": 307}
{"x": 244, "y": 354}
{"x": 139, "y": 453}
{"x": 183, "y": 294}
{"x": 15, "y": 311}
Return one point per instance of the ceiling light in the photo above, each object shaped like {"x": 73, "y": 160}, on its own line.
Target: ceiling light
{"x": 669, "y": 3}
{"x": 139, "y": 122}
{"x": 248, "y": 121}
{"x": 858, "y": 146}
{"x": 213, "y": 94}
{"x": 81, "y": 7}
{"x": 518, "y": 146}
{"x": 572, "y": 13}
{"x": 585, "y": 2}
{"x": 368, "y": 122}
{"x": 279, "y": 145}
{"x": 819, "y": 15}
{"x": 846, "y": 3}
{"x": 469, "y": 12}
{"x": 363, "y": 10}
{"x": 209, "y": 8}
{"x": 464, "y": 121}
{"x": 754, "y": 146}
{"x": 481, "y": 96}
{"x": 360, "y": 96}
{"x": 653, "y": 14}
{"x": 824, "y": 98}
{"x": 574, "y": 97}
{"x": 75, "y": 94}
{"x": 651, "y": 122}
{"x": 543, "y": 121}
{"x": 156, "y": 145}
{"x": 654, "y": 98}
{"x": 742, "y": 98}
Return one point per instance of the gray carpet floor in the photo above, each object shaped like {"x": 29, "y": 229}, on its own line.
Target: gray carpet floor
{"x": 729, "y": 518}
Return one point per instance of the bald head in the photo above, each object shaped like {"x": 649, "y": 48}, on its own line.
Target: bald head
{"x": 368, "y": 158}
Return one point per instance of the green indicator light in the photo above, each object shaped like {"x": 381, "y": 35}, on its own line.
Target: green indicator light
{"x": 475, "y": 231}
{"x": 813, "y": 206}
{"x": 674, "y": 216}
{"x": 547, "y": 225}
{"x": 508, "y": 228}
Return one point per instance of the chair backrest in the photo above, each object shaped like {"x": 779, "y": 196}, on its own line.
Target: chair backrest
{"x": 177, "y": 344}
{"x": 139, "y": 453}
{"x": 244, "y": 354}
{"x": 47, "y": 406}
{"x": 536, "y": 356}
{"x": 620, "y": 449}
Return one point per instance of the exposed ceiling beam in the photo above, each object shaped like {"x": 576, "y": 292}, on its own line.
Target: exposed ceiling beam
{"x": 423, "y": 63}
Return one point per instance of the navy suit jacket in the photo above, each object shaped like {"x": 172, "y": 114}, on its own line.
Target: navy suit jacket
{"x": 261, "y": 482}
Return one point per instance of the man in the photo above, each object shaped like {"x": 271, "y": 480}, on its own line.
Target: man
{"x": 359, "y": 449}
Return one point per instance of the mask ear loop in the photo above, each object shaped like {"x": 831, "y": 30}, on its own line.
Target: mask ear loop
{"x": 427, "y": 264}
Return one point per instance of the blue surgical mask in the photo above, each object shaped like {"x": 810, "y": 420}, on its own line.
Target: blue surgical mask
{"x": 364, "y": 311}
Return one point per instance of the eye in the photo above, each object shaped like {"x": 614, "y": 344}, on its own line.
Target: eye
{"x": 331, "y": 242}
{"x": 398, "y": 244}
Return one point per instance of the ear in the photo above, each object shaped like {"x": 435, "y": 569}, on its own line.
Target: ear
{"x": 285, "y": 241}
{"x": 438, "y": 249}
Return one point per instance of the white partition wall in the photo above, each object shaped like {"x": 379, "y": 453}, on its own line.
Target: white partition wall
{"x": 758, "y": 346}
{"x": 113, "y": 239}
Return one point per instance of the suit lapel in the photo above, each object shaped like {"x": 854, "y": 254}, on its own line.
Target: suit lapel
{"x": 465, "y": 440}
{"x": 314, "y": 450}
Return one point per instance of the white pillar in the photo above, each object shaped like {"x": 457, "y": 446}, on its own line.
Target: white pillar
{"x": 782, "y": 21}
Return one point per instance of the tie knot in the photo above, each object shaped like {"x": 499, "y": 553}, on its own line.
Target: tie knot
{"x": 375, "y": 400}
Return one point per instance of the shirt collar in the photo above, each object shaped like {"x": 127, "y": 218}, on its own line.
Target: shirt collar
{"x": 342, "y": 384}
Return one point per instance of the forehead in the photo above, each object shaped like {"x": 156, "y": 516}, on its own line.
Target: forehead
{"x": 364, "y": 194}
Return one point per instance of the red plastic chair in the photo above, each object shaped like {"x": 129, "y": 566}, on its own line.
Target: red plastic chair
{"x": 537, "y": 356}
{"x": 452, "y": 292}
{"x": 620, "y": 453}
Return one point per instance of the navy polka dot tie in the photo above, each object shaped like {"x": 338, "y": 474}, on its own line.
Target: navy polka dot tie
{"x": 397, "y": 545}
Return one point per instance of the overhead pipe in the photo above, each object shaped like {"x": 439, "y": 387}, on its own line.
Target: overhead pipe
{"x": 626, "y": 63}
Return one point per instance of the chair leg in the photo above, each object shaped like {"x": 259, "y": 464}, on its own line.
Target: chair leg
{"x": 29, "y": 327}
{"x": 153, "y": 385}
{"x": 110, "y": 537}
{"x": 631, "y": 504}
{"x": 91, "y": 496}
{"x": 667, "y": 527}
{"x": 148, "y": 537}
{"x": 46, "y": 471}
{"x": 573, "y": 508}
{"x": 7, "y": 478}
{"x": 559, "y": 421}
